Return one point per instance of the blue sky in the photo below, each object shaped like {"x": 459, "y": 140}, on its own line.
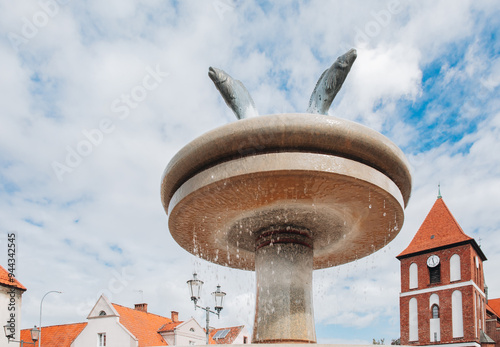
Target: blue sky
{"x": 80, "y": 164}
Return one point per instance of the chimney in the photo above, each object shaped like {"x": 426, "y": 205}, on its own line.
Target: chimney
{"x": 141, "y": 307}
{"x": 175, "y": 316}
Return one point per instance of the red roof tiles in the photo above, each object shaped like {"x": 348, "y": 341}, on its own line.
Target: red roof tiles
{"x": 438, "y": 229}
{"x": 144, "y": 326}
{"x": 169, "y": 327}
{"x": 56, "y": 335}
{"x": 228, "y": 339}
{"x": 6, "y": 280}
{"x": 494, "y": 304}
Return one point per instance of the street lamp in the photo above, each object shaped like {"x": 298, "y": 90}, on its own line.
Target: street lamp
{"x": 195, "y": 287}
{"x": 35, "y": 333}
{"x": 41, "y": 303}
{"x": 219, "y": 299}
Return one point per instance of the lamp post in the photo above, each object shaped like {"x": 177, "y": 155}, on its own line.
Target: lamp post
{"x": 195, "y": 287}
{"x": 35, "y": 333}
{"x": 41, "y": 303}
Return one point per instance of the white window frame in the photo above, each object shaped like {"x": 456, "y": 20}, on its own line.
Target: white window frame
{"x": 101, "y": 339}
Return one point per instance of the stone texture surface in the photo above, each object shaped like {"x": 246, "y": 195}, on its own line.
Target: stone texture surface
{"x": 292, "y": 132}
{"x": 351, "y": 209}
{"x": 284, "y": 305}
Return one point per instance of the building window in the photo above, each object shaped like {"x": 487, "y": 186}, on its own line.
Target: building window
{"x": 101, "y": 339}
{"x": 435, "y": 311}
{"x": 457, "y": 320}
{"x": 191, "y": 330}
{"x": 434, "y": 321}
{"x": 191, "y": 343}
{"x": 455, "y": 268}
{"x": 102, "y": 313}
{"x": 413, "y": 320}
{"x": 435, "y": 274}
{"x": 245, "y": 340}
{"x": 413, "y": 276}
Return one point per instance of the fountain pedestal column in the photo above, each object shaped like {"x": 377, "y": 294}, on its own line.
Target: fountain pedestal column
{"x": 283, "y": 266}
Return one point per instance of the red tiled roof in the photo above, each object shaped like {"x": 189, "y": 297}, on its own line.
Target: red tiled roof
{"x": 56, "y": 335}
{"x": 494, "y": 304}
{"x": 438, "y": 229}
{"x": 169, "y": 327}
{"x": 143, "y": 325}
{"x": 228, "y": 339}
{"x": 5, "y": 280}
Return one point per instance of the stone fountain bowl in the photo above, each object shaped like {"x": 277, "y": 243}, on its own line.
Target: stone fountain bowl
{"x": 346, "y": 184}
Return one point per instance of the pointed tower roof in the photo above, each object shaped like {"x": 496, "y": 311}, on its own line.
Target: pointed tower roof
{"x": 439, "y": 230}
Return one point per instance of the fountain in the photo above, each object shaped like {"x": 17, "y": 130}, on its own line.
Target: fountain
{"x": 285, "y": 194}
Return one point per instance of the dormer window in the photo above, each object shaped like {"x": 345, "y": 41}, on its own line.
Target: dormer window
{"x": 191, "y": 330}
{"x": 102, "y": 313}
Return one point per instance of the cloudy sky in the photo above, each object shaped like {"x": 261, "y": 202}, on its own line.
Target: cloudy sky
{"x": 97, "y": 96}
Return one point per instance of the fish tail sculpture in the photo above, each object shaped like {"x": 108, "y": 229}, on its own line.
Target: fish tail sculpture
{"x": 330, "y": 83}
{"x": 234, "y": 93}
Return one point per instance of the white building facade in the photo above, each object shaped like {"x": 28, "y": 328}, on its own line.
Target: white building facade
{"x": 11, "y": 292}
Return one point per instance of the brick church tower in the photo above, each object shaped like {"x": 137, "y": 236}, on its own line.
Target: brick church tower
{"x": 442, "y": 300}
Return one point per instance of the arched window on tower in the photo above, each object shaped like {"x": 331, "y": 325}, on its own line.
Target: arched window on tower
{"x": 476, "y": 270}
{"x": 435, "y": 321}
{"x": 480, "y": 277}
{"x": 413, "y": 320}
{"x": 413, "y": 276}
{"x": 457, "y": 320}
{"x": 455, "y": 274}
{"x": 435, "y": 311}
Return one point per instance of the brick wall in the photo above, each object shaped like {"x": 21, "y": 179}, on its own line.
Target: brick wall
{"x": 468, "y": 272}
{"x": 467, "y": 264}
{"x": 493, "y": 328}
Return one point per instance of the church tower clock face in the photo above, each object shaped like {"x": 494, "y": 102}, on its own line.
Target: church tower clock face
{"x": 433, "y": 261}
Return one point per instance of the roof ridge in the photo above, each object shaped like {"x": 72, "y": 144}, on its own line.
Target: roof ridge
{"x": 58, "y": 325}
{"x": 133, "y": 309}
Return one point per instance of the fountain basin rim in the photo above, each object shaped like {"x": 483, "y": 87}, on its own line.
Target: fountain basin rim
{"x": 293, "y": 162}
{"x": 292, "y": 132}
{"x": 209, "y": 212}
